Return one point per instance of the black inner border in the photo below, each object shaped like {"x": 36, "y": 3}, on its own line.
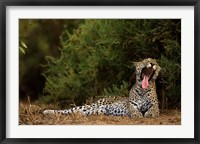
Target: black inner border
{"x": 5, "y": 3}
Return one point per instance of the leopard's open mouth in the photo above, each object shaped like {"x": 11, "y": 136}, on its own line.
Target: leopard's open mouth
{"x": 146, "y": 75}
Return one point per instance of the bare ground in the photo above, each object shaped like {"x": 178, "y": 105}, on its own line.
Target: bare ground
{"x": 31, "y": 115}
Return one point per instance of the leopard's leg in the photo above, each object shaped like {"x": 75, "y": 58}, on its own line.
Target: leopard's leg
{"x": 135, "y": 114}
{"x": 133, "y": 111}
{"x": 153, "y": 111}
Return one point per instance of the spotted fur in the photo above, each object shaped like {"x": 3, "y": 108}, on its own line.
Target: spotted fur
{"x": 141, "y": 102}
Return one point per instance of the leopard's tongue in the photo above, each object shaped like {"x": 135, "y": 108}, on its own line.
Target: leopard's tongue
{"x": 145, "y": 82}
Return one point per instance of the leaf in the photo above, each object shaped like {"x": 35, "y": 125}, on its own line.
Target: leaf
{"x": 23, "y": 44}
{"x": 22, "y": 50}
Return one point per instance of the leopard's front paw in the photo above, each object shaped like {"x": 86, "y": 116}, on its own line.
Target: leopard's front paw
{"x": 151, "y": 115}
{"x": 136, "y": 115}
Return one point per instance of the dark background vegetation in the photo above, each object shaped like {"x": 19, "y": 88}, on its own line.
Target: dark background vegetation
{"x": 74, "y": 61}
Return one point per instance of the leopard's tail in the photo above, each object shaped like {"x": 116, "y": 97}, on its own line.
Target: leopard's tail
{"x": 85, "y": 110}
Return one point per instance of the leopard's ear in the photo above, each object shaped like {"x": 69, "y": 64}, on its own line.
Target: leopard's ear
{"x": 135, "y": 63}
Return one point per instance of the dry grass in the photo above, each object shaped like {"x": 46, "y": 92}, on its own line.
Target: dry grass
{"x": 31, "y": 115}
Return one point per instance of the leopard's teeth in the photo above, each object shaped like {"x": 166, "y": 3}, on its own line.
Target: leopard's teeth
{"x": 154, "y": 67}
{"x": 148, "y": 65}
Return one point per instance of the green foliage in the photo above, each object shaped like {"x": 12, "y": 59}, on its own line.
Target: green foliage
{"x": 121, "y": 90}
{"x": 169, "y": 83}
{"x": 41, "y": 36}
{"x": 96, "y": 59}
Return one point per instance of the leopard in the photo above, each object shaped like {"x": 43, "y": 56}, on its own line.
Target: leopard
{"x": 142, "y": 100}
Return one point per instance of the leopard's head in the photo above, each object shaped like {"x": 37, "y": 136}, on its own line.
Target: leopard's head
{"x": 146, "y": 72}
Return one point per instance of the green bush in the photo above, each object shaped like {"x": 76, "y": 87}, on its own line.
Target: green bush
{"x": 96, "y": 59}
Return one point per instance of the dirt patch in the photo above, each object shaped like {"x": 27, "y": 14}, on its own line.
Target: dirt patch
{"x": 32, "y": 115}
